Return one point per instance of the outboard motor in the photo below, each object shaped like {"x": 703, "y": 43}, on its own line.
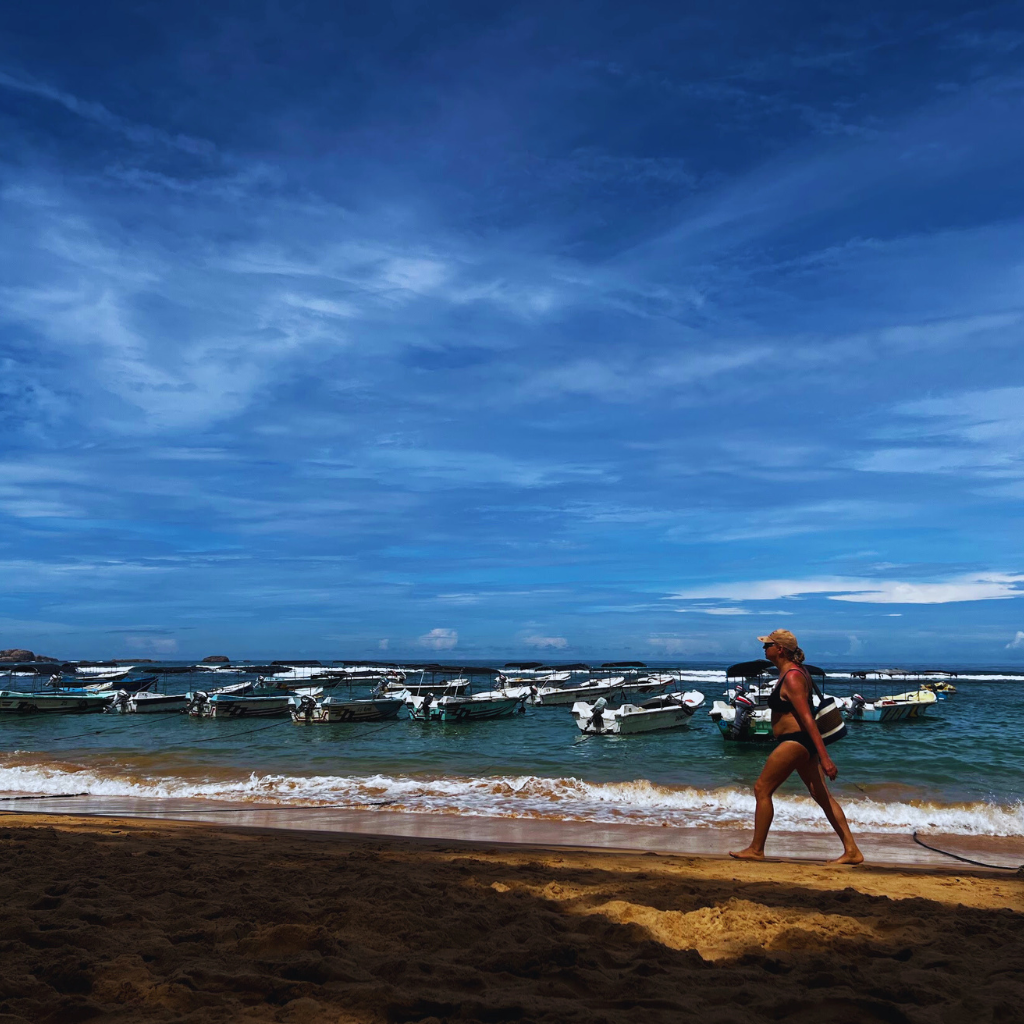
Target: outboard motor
{"x": 195, "y": 705}
{"x": 307, "y": 705}
{"x": 119, "y": 702}
{"x": 744, "y": 709}
{"x": 857, "y": 702}
{"x": 596, "y": 717}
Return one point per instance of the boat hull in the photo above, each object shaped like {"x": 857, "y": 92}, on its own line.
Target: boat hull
{"x": 454, "y": 709}
{"x": 227, "y": 706}
{"x": 158, "y": 703}
{"x": 758, "y": 729}
{"x": 887, "y": 713}
{"x": 351, "y": 711}
{"x": 12, "y": 703}
{"x": 630, "y": 724}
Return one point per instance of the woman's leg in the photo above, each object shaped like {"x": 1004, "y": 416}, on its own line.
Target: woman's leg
{"x": 779, "y": 766}
{"x": 814, "y": 779}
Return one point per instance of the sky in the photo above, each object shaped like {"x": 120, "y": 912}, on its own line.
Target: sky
{"x": 455, "y": 330}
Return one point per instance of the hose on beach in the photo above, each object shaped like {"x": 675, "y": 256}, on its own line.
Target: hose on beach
{"x": 967, "y": 860}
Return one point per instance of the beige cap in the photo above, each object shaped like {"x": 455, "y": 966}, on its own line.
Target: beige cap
{"x": 782, "y": 637}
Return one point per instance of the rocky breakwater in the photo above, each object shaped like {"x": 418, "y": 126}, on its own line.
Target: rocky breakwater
{"x": 19, "y": 654}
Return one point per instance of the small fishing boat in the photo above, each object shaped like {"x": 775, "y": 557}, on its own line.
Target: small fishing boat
{"x": 15, "y": 703}
{"x": 894, "y": 708}
{"x": 341, "y": 709}
{"x": 743, "y": 720}
{"x": 241, "y": 700}
{"x": 450, "y": 687}
{"x": 452, "y": 708}
{"x": 555, "y": 696}
{"x": 145, "y": 703}
{"x": 101, "y": 671}
{"x": 134, "y": 685}
{"x": 744, "y": 715}
{"x": 667, "y": 711}
{"x": 940, "y": 689}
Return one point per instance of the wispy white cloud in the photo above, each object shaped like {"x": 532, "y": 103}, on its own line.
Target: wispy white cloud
{"x": 688, "y": 646}
{"x": 619, "y": 379}
{"x": 1017, "y": 643}
{"x": 99, "y": 114}
{"x": 556, "y": 643}
{"x": 977, "y": 433}
{"x": 979, "y": 587}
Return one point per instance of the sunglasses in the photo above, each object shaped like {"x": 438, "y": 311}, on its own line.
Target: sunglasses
{"x": 768, "y": 646}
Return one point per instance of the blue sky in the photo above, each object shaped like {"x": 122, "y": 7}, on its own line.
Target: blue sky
{"x": 548, "y": 331}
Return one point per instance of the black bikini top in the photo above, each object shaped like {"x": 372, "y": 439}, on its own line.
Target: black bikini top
{"x": 779, "y": 703}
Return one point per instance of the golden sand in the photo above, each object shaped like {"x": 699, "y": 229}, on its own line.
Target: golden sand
{"x": 135, "y": 921}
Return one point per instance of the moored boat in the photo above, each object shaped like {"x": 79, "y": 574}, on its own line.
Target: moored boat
{"x": 894, "y": 708}
{"x": 451, "y": 708}
{"x": 15, "y": 703}
{"x": 667, "y": 711}
{"x": 555, "y": 696}
{"x": 145, "y": 703}
{"x": 340, "y": 709}
{"x": 743, "y": 721}
{"x": 246, "y": 701}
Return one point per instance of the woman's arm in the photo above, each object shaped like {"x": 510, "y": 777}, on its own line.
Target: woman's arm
{"x": 797, "y": 696}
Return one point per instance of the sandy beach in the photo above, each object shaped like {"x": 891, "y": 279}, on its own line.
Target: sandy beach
{"x": 115, "y": 919}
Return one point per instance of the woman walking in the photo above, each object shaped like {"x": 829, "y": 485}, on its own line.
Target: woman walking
{"x": 799, "y": 748}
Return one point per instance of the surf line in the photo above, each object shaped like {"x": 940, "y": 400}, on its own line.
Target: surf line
{"x": 967, "y": 860}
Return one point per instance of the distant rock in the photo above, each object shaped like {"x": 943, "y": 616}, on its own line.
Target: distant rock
{"x": 20, "y": 654}
{"x": 216, "y": 659}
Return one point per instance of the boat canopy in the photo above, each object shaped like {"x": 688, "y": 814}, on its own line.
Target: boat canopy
{"x": 754, "y": 669}
{"x": 473, "y": 670}
{"x": 748, "y": 669}
{"x": 524, "y": 664}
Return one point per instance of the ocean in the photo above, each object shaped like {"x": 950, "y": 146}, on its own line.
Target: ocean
{"x": 957, "y": 770}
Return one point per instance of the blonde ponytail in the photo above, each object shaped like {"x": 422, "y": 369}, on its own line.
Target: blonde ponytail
{"x": 798, "y": 656}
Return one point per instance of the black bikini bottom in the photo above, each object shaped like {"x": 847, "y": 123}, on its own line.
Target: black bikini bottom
{"x": 803, "y": 739}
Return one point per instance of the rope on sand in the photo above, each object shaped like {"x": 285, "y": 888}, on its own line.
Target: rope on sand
{"x": 45, "y": 796}
{"x": 967, "y": 860}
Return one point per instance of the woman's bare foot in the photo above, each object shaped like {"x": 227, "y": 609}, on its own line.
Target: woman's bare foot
{"x": 748, "y": 854}
{"x": 853, "y": 856}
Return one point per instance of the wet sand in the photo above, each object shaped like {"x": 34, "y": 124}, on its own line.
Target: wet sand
{"x": 129, "y": 920}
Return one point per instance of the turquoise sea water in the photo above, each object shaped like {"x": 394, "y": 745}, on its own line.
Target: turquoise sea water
{"x": 956, "y": 770}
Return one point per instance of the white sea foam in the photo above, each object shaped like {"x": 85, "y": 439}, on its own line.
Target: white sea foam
{"x": 638, "y": 802}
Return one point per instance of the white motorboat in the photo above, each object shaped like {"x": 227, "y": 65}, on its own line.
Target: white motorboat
{"x": 419, "y": 688}
{"x": 451, "y": 708}
{"x": 255, "y": 702}
{"x": 14, "y": 703}
{"x": 144, "y": 703}
{"x": 509, "y": 688}
{"x": 96, "y": 671}
{"x": 895, "y": 708}
{"x": 667, "y": 711}
{"x": 621, "y": 686}
{"x": 340, "y": 709}
{"x": 553, "y": 696}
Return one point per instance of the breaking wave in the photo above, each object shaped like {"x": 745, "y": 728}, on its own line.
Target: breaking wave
{"x": 638, "y": 802}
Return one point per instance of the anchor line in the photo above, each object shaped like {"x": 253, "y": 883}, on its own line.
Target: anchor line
{"x": 45, "y": 796}
{"x": 967, "y": 860}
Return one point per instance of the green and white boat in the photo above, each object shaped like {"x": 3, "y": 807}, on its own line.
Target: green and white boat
{"x": 52, "y": 703}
